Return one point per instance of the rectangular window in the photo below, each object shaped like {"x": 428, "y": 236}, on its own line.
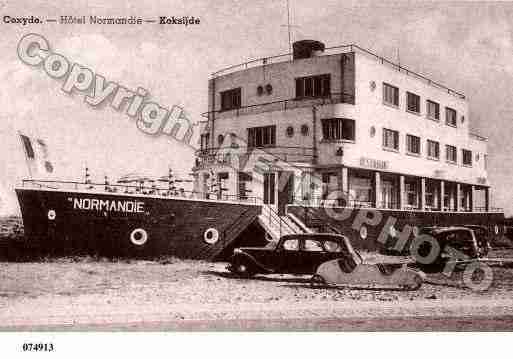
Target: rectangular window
{"x": 433, "y": 110}
{"x": 391, "y": 139}
{"x": 411, "y": 190}
{"x": 467, "y": 157}
{"x": 205, "y": 139}
{"x": 433, "y": 149}
{"x": 329, "y": 183}
{"x": 244, "y": 183}
{"x": 450, "y": 153}
{"x": 231, "y": 99}
{"x": 450, "y": 116}
{"x": 413, "y": 102}
{"x": 262, "y": 136}
{"x": 313, "y": 86}
{"x": 361, "y": 190}
{"x": 413, "y": 144}
{"x": 390, "y": 95}
{"x": 431, "y": 194}
{"x": 338, "y": 129}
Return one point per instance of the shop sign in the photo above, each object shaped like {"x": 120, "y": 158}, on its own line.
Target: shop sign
{"x": 373, "y": 163}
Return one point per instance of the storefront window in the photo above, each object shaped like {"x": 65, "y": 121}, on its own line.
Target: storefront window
{"x": 329, "y": 183}
{"x": 431, "y": 194}
{"x": 411, "y": 191}
{"x": 360, "y": 190}
{"x": 389, "y": 194}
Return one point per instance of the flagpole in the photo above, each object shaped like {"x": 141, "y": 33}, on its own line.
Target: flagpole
{"x": 26, "y": 154}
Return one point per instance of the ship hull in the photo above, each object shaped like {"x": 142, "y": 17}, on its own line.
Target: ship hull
{"x": 372, "y": 229}
{"x": 133, "y": 225}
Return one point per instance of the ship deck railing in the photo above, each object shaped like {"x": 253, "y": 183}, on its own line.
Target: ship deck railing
{"x": 140, "y": 190}
{"x": 334, "y": 50}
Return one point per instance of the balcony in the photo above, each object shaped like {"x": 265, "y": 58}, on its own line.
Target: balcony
{"x": 235, "y": 156}
{"x": 282, "y": 105}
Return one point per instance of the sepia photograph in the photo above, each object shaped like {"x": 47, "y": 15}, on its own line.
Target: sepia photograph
{"x": 255, "y": 166}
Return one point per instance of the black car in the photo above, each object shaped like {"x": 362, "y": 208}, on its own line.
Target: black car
{"x": 294, "y": 254}
{"x": 461, "y": 239}
{"x": 483, "y": 237}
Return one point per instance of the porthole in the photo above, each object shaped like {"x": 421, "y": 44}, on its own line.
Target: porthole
{"x": 211, "y": 236}
{"x": 304, "y": 130}
{"x": 372, "y": 131}
{"x": 220, "y": 139}
{"x": 260, "y": 90}
{"x": 51, "y": 215}
{"x": 373, "y": 85}
{"x": 290, "y": 131}
{"x": 269, "y": 89}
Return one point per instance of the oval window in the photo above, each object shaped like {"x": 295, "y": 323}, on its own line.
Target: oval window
{"x": 269, "y": 89}
{"x": 220, "y": 139}
{"x": 304, "y": 130}
{"x": 260, "y": 90}
{"x": 290, "y": 131}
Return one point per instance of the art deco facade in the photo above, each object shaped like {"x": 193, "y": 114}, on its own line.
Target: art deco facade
{"x": 340, "y": 119}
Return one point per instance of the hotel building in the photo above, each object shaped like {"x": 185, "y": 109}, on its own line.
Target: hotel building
{"x": 340, "y": 119}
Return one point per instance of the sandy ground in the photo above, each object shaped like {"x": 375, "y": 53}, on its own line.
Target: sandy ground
{"x": 99, "y": 294}
{"x": 67, "y": 293}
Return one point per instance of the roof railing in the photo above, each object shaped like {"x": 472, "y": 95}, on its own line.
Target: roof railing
{"x": 334, "y": 50}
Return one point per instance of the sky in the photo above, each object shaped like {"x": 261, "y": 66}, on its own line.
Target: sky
{"x": 467, "y": 46}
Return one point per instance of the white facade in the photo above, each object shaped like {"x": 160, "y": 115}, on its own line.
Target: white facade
{"x": 352, "y": 163}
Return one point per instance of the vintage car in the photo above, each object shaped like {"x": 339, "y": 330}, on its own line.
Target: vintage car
{"x": 483, "y": 237}
{"x": 459, "y": 238}
{"x": 295, "y": 254}
{"x": 330, "y": 257}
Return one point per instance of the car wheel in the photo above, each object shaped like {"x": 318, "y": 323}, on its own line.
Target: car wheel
{"x": 317, "y": 281}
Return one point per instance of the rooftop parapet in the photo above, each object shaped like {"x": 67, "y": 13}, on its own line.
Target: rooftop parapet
{"x": 288, "y": 57}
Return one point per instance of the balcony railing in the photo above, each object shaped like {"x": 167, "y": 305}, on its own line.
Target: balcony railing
{"x": 282, "y": 105}
{"x": 334, "y": 51}
{"x": 230, "y": 155}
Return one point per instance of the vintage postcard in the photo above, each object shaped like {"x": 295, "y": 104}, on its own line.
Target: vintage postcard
{"x": 255, "y": 166}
